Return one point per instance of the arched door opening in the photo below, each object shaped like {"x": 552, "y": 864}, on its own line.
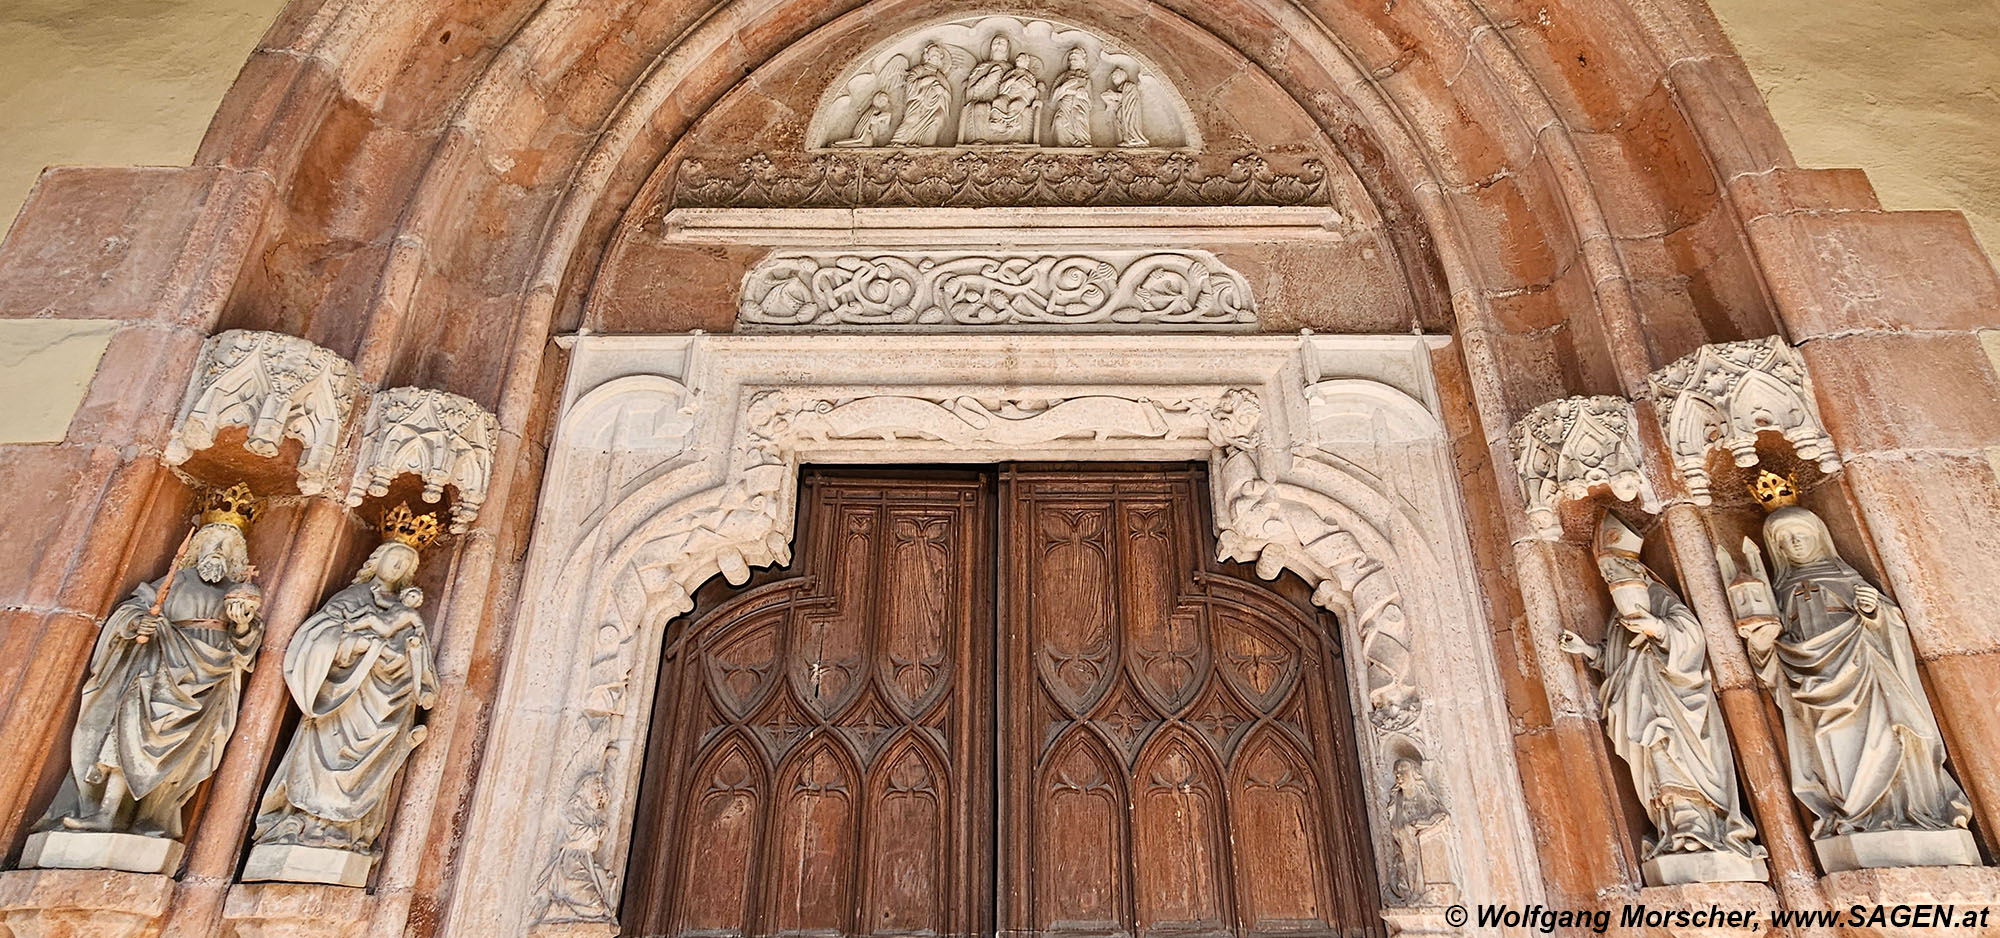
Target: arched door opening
{"x": 1018, "y": 700}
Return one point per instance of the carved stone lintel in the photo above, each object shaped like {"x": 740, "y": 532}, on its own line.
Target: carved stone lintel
{"x": 983, "y": 179}
{"x": 1565, "y": 448}
{"x": 968, "y": 290}
{"x": 1724, "y": 395}
{"x": 444, "y": 439}
{"x": 274, "y": 386}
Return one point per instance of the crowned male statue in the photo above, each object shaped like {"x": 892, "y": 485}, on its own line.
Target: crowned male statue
{"x": 165, "y": 679}
{"x": 1866, "y": 755}
{"x": 360, "y": 669}
{"x": 1662, "y": 718}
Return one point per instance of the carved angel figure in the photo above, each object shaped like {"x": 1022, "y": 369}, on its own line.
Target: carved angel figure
{"x": 926, "y": 99}
{"x": 165, "y": 680}
{"x": 872, "y": 128}
{"x": 1070, "y": 103}
{"x": 360, "y": 669}
{"x": 1128, "y": 108}
{"x": 1660, "y": 711}
{"x": 1866, "y": 753}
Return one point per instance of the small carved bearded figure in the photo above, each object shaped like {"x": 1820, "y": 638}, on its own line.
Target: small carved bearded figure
{"x": 1660, "y": 711}
{"x": 1414, "y": 807}
{"x": 1866, "y": 753}
{"x": 360, "y": 670}
{"x": 165, "y": 680}
{"x": 1070, "y": 104}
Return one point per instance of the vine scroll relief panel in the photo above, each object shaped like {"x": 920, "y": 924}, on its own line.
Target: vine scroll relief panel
{"x": 676, "y": 458}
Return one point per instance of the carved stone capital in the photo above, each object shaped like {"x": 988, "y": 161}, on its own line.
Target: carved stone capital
{"x": 445, "y": 440}
{"x": 984, "y": 291}
{"x": 1566, "y": 448}
{"x": 273, "y": 386}
{"x": 1722, "y": 396}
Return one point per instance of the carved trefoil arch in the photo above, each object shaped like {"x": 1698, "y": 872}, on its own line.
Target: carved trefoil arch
{"x": 676, "y": 458}
{"x": 998, "y": 80}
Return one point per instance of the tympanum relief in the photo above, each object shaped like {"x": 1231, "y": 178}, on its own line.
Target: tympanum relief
{"x": 1661, "y": 715}
{"x": 1866, "y": 756}
{"x": 160, "y": 703}
{"x": 943, "y": 290}
{"x": 1000, "y": 81}
{"x": 360, "y": 669}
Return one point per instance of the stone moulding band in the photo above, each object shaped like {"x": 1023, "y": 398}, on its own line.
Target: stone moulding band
{"x": 676, "y": 458}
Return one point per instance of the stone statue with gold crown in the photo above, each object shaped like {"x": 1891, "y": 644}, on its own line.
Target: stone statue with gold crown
{"x": 360, "y": 669}
{"x": 166, "y": 677}
{"x": 1866, "y": 756}
{"x": 1661, "y": 716}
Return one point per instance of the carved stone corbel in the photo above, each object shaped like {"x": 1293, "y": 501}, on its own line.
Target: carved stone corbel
{"x": 443, "y": 439}
{"x": 1724, "y": 395}
{"x": 273, "y": 386}
{"x": 1566, "y": 448}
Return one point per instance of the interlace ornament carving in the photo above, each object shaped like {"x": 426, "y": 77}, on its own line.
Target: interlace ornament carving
{"x": 1724, "y": 395}
{"x": 274, "y": 386}
{"x": 985, "y": 179}
{"x": 1565, "y": 448}
{"x": 945, "y": 290}
{"x": 443, "y": 439}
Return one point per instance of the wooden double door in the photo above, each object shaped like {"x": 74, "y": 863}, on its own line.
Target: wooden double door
{"x": 1018, "y": 701}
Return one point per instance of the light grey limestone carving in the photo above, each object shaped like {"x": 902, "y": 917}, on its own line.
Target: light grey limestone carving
{"x": 273, "y": 386}
{"x": 968, "y": 290}
{"x": 1000, "y": 81}
{"x": 1724, "y": 395}
{"x": 160, "y": 703}
{"x": 1661, "y": 715}
{"x": 360, "y": 670}
{"x": 1866, "y": 756}
{"x": 443, "y": 439}
{"x": 1419, "y": 873}
{"x": 1565, "y": 448}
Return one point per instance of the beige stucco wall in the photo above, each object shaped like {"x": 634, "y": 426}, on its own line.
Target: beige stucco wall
{"x": 114, "y": 82}
{"x": 1908, "y": 90}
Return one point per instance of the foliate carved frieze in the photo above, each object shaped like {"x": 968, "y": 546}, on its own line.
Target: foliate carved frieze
{"x": 970, "y": 290}
{"x": 443, "y": 439}
{"x": 1724, "y": 395}
{"x": 1565, "y": 448}
{"x": 1000, "y": 81}
{"x": 273, "y": 386}
{"x": 990, "y": 178}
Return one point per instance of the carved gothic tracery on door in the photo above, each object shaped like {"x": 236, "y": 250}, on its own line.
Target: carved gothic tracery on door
{"x": 1171, "y": 740}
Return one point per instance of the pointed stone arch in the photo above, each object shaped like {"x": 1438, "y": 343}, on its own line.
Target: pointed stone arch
{"x": 1298, "y": 470}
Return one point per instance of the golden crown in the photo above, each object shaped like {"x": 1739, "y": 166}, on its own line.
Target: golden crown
{"x": 404, "y": 526}
{"x": 235, "y": 506}
{"x": 1774, "y": 491}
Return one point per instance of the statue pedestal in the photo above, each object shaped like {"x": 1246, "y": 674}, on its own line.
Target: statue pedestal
{"x": 101, "y": 850}
{"x": 1897, "y": 848}
{"x": 290, "y": 863}
{"x": 1712, "y": 866}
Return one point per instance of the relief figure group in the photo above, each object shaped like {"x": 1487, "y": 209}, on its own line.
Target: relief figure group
{"x": 1002, "y": 99}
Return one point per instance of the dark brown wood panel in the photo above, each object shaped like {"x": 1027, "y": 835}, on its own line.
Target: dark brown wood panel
{"x": 820, "y": 763}
{"x": 1162, "y": 749}
{"x": 1176, "y": 748}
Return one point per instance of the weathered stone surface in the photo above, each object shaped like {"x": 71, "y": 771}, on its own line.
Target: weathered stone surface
{"x": 83, "y": 903}
{"x": 1964, "y": 888}
{"x": 292, "y": 910}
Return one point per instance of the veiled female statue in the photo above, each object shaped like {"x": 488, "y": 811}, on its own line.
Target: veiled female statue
{"x": 1662, "y": 718}
{"x": 1866, "y": 753}
{"x": 166, "y": 677}
{"x": 926, "y": 98}
{"x": 359, "y": 669}
{"x": 1070, "y": 103}
{"x": 1128, "y": 108}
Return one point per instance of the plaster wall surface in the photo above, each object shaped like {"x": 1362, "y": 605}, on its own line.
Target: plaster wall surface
{"x": 1908, "y": 90}
{"x": 114, "y": 82}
